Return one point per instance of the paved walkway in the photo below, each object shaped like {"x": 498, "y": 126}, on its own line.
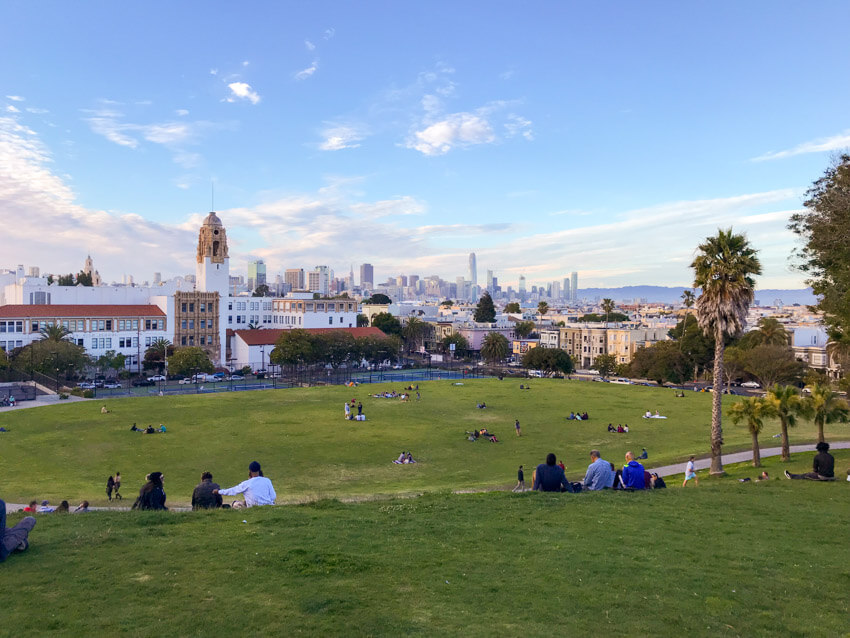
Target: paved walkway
{"x": 743, "y": 457}
{"x": 40, "y": 401}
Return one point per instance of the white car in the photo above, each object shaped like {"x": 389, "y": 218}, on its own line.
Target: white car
{"x": 750, "y": 384}
{"x": 184, "y": 381}
{"x": 156, "y": 377}
{"x": 112, "y": 385}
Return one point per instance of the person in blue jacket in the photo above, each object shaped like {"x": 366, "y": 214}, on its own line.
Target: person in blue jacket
{"x": 633, "y": 473}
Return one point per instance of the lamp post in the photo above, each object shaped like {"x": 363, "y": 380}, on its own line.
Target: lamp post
{"x": 230, "y": 368}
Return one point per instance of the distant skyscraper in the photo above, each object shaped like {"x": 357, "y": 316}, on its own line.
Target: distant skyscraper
{"x": 488, "y": 283}
{"x": 473, "y": 270}
{"x": 522, "y": 287}
{"x": 320, "y": 280}
{"x": 256, "y": 274}
{"x": 556, "y": 290}
{"x": 573, "y": 286}
{"x": 33, "y": 271}
{"x": 567, "y": 289}
{"x": 367, "y": 276}
{"x": 157, "y": 278}
{"x": 295, "y": 278}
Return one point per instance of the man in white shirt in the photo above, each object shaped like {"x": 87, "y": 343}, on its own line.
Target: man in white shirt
{"x": 258, "y": 490}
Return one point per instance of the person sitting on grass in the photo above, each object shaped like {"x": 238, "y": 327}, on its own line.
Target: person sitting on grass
{"x": 64, "y": 508}
{"x": 257, "y": 489}
{"x": 643, "y": 455}
{"x": 548, "y": 477}
{"x": 162, "y": 428}
{"x": 657, "y": 482}
{"x": 572, "y": 417}
{"x": 13, "y": 539}
{"x": 611, "y": 428}
{"x": 620, "y": 429}
{"x": 150, "y": 430}
{"x": 400, "y": 459}
{"x": 633, "y": 473}
{"x": 599, "y": 473}
{"x": 626, "y": 428}
{"x": 82, "y": 508}
{"x": 763, "y": 477}
{"x": 584, "y": 417}
{"x": 103, "y": 410}
{"x": 152, "y": 494}
{"x": 32, "y": 508}
{"x": 409, "y": 458}
{"x": 823, "y": 466}
{"x": 203, "y": 496}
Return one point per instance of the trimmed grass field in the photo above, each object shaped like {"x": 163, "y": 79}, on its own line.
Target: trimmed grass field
{"x": 726, "y": 559}
{"x": 311, "y": 452}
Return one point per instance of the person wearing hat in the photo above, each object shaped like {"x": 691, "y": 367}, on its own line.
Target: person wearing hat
{"x": 152, "y": 494}
{"x": 14, "y": 538}
{"x": 257, "y": 490}
{"x": 45, "y": 508}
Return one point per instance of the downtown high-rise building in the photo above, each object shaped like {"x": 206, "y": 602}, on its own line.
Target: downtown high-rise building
{"x": 473, "y": 270}
{"x": 319, "y": 280}
{"x": 256, "y": 274}
{"x": 522, "y": 287}
{"x": 295, "y": 278}
{"x": 488, "y": 282}
{"x": 566, "y": 288}
{"x": 367, "y": 276}
{"x": 573, "y": 286}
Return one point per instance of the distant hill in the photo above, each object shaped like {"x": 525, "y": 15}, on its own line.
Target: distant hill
{"x": 666, "y": 294}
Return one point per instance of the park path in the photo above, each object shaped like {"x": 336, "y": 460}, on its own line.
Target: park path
{"x": 664, "y": 470}
{"x": 743, "y": 457}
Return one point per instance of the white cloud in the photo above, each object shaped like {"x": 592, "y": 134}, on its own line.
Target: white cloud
{"x": 456, "y": 130}
{"x": 245, "y": 62}
{"x": 517, "y": 125}
{"x": 309, "y": 45}
{"x": 821, "y": 145}
{"x": 242, "y": 91}
{"x": 15, "y": 98}
{"x": 11, "y": 109}
{"x": 338, "y": 137}
{"x": 182, "y": 112}
{"x": 329, "y": 33}
{"x": 303, "y": 74}
{"x": 213, "y": 71}
{"x": 36, "y": 111}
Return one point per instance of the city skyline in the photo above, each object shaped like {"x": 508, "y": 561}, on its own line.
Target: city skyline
{"x": 605, "y": 139}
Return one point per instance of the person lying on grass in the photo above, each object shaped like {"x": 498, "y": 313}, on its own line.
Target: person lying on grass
{"x": 13, "y": 539}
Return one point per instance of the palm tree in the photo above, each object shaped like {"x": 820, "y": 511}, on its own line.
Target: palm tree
{"x": 688, "y": 299}
{"x": 542, "y": 309}
{"x": 771, "y": 333}
{"x": 523, "y": 328}
{"x": 723, "y": 269}
{"x": 413, "y": 332}
{"x": 752, "y": 411}
{"x": 157, "y": 353}
{"x": 825, "y": 406}
{"x": 787, "y": 405}
{"x": 54, "y": 332}
{"x": 607, "y": 306}
{"x": 495, "y": 348}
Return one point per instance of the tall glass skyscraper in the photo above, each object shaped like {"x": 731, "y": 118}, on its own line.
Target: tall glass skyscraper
{"x": 473, "y": 270}
{"x": 573, "y": 286}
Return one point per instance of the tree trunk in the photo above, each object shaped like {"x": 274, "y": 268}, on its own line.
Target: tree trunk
{"x": 821, "y": 438}
{"x": 756, "y": 451}
{"x": 716, "y": 409}
{"x": 786, "y": 450}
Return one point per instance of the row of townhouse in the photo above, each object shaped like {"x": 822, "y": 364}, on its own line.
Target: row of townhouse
{"x": 585, "y": 342}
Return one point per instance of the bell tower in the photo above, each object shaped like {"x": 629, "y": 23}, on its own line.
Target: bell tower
{"x": 212, "y": 273}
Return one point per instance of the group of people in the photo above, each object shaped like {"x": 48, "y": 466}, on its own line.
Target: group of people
{"x": 620, "y": 429}
{"x": 405, "y": 458}
{"x": 150, "y": 429}
{"x": 8, "y": 402}
{"x": 650, "y": 415}
{"x": 601, "y": 474}
{"x": 578, "y": 416}
{"x": 349, "y": 414}
{"x": 482, "y": 433}
{"x": 113, "y": 485}
{"x": 46, "y": 508}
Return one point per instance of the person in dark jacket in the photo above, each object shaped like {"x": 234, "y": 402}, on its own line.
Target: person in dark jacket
{"x": 203, "y": 497}
{"x": 823, "y": 466}
{"x": 110, "y": 485}
{"x": 152, "y": 494}
{"x": 633, "y": 477}
{"x": 14, "y": 539}
{"x": 550, "y": 478}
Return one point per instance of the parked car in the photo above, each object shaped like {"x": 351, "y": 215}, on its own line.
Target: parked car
{"x": 142, "y": 382}
{"x": 186, "y": 380}
{"x": 86, "y": 385}
{"x": 112, "y": 385}
{"x": 750, "y": 384}
{"x": 236, "y": 377}
{"x": 157, "y": 377}
{"x": 220, "y": 375}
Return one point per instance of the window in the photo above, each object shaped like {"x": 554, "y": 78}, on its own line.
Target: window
{"x": 203, "y": 324}
{"x": 109, "y": 324}
{"x": 147, "y": 341}
{"x": 330, "y": 321}
{"x": 203, "y": 340}
{"x": 183, "y": 307}
{"x": 135, "y": 324}
{"x": 182, "y": 341}
{"x": 147, "y": 324}
{"x": 34, "y": 327}
{"x": 191, "y": 324}
{"x": 191, "y": 340}
{"x": 229, "y": 319}
{"x": 203, "y": 307}
{"x": 191, "y": 307}
{"x": 101, "y": 324}
{"x": 230, "y": 305}
{"x": 65, "y": 324}
{"x": 161, "y": 324}
{"x": 94, "y": 344}
{"x": 109, "y": 342}
{"x": 183, "y": 324}
{"x": 120, "y": 324}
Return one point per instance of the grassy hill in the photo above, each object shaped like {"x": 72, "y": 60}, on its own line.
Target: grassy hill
{"x": 310, "y": 451}
{"x": 726, "y": 559}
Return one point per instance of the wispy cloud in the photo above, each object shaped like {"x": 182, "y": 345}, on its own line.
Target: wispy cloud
{"x": 213, "y": 71}
{"x": 821, "y": 145}
{"x": 242, "y": 91}
{"x": 456, "y": 130}
{"x": 182, "y": 112}
{"x": 329, "y": 33}
{"x": 36, "y": 111}
{"x": 303, "y": 74}
{"x": 11, "y": 108}
{"x": 338, "y": 137}
{"x": 517, "y": 125}
{"x": 15, "y": 98}
{"x": 309, "y": 45}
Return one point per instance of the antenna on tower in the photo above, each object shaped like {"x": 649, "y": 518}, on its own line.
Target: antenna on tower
{"x": 212, "y": 195}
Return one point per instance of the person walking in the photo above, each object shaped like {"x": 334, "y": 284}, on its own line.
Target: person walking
{"x": 516, "y": 427}
{"x": 117, "y": 486}
{"x": 520, "y": 481}
{"x": 690, "y": 473}
{"x": 110, "y": 485}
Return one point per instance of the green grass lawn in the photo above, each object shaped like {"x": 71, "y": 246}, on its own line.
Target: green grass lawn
{"x": 727, "y": 559}
{"x": 309, "y": 451}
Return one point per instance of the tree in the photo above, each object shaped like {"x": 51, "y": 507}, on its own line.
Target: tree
{"x": 663, "y": 362}
{"x": 734, "y": 364}
{"x": 66, "y": 280}
{"x": 362, "y": 321}
{"x": 336, "y": 347}
{"x": 592, "y": 317}
{"x": 50, "y": 280}
{"x": 485, "y": 312}
{"x": 414, "y": 332}
{"x": 824, "y": 227}
{"x": 54, "y": 333}
{"x": 513, "y": 307}
{"x": 378, "y": 298}
{"x": 523, "y": 328}
{"x": 293, "y": 347}
{"x": 605, "y": 364}
{"x": 388, "y": 324}
{"x": 772, "y": 364}
{"x": 51, "y": 358}
{"x": 542, "y": 309}
{"x": 825, "y": 406}
{"x": 688, "y": 299}
{"x": 261, "y": 291}
{"x": 723, "y": 269}
{"x": 752, "y": 411}
{"x": 608, "y": 306}
{"x": 156, "y": 354}
{"x": 787, "y": 405}
{"x": 84, "y": 279}
{"x": 769, "y": 333}
{"x": 187, "y": 361}
{"x": 548, "y": 360}
{"x": 495, "y": 348}
{"x": 111, "y": 359}
{"x": 694, "y": 343}
{"x": 459, "y": 341}
{"x": 447, "y": 303}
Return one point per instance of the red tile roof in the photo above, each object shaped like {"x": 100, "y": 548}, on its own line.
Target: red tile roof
{"x": 55, "y": 311}
{"x": 265, "y": 337}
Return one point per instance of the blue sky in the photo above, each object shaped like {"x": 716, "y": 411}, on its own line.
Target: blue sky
{"x": 608, "y": 137}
